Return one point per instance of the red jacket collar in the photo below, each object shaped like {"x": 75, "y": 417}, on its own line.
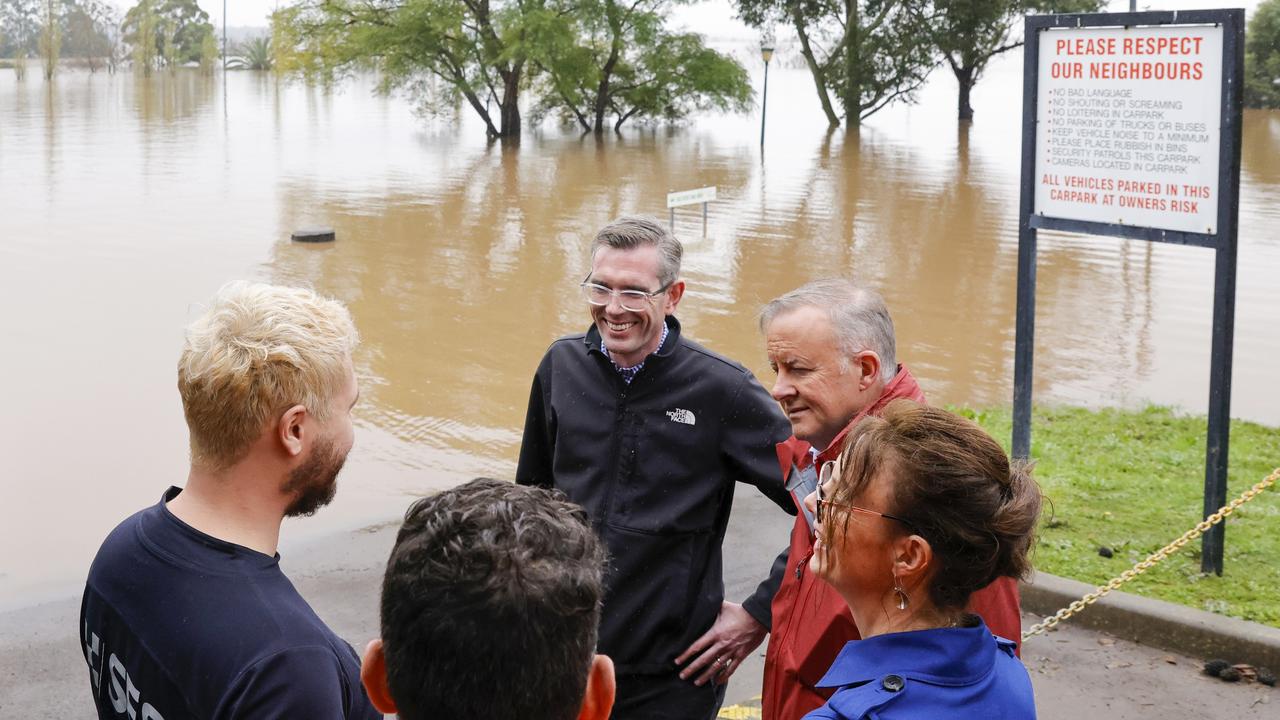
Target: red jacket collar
{"x": 795, "y": 451}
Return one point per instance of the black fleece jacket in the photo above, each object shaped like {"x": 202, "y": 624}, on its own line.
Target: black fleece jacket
{"x": 654, "y": 463}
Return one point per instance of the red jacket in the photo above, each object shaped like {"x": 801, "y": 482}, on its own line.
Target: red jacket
{"x": 811, "y": 622}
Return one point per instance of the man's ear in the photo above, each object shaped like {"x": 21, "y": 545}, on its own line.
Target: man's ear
{"x": 373, "y": 675}
{"x": 868, "y": 367}
{"x": 671, "y": 298}
{"x": 601, "y": 689}
{"x": 290, "y": 431}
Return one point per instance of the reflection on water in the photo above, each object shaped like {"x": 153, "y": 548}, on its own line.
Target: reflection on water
{"x": 128, "y": 202}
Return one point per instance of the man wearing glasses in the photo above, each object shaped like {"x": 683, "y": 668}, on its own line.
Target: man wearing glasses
{"x": 648, "y": 431}
{"x": 831, "y": 345}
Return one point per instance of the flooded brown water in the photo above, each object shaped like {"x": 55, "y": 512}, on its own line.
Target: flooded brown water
{"x": 126, "y": 203}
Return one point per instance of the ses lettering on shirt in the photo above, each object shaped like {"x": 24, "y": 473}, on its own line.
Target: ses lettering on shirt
{"x": 125, "y": 697}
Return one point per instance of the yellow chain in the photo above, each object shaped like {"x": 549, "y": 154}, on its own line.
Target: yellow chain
{"x": 1155, "y": 557}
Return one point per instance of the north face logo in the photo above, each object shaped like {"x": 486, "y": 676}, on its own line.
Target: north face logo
{"x": 681, "y": 415}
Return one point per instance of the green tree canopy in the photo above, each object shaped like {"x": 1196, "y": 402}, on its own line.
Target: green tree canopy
{"x": 172, "y": 31}
{"x": 1262, "y": 57}
{"x": 968, "y": 33}
{"x": 618, "y": 59}
{"x": 441, "y": 51}
{"x": 865, "y": 53}
{"x": 90, "y": 31}
{"x": 586, "y": 60}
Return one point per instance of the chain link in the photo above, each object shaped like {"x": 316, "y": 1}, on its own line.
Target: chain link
{"x": 1154, "y": 558}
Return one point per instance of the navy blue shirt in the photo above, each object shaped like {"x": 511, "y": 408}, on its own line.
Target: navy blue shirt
{"x": 178, "y": 624}
{"x": 963, "y": 672}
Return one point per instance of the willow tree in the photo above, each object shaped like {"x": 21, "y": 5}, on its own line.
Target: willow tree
{"x": 441, "y": 51}
{"x": 863, "y": 53}
{"x": 610, "y": 58}
{"x": 587, "y": 60}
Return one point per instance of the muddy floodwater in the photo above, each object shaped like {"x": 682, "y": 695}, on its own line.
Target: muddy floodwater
{"x": 125, "y": 203}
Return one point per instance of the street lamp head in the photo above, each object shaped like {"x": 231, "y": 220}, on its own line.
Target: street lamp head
{"x": 766, "y": 52}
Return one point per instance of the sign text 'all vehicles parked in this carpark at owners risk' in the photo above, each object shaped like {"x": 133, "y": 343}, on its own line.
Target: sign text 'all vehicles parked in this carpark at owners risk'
{"x": 1129, "y": 126}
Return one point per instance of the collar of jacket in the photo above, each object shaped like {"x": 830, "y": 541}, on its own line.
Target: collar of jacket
{"x": 903, "y": 385}
{"x": 943, "y": 656}
{"x": 592, "y": 339}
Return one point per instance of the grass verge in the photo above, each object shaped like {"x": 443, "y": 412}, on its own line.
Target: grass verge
{"x": 1133, "y": 481}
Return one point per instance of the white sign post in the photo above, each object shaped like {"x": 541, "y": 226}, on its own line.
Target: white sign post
{"x": 690, "y": 197}
{"x": 1130, "y": 126}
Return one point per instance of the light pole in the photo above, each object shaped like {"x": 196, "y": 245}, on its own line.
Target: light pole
{"x": 766, "y": 52}
{"x": 224, "y": 38}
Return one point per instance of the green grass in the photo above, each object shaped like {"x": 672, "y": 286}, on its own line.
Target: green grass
{"x": 1133, "y": 481}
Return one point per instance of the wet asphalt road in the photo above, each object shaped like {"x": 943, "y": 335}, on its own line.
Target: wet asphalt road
{"x": 1077, "y": 673}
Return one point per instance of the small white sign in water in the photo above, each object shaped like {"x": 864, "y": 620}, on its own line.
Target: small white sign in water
{"x": 691, "y": 197}
{"x": 1128, "y": 126}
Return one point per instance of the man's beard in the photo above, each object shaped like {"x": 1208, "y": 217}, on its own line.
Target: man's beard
{"x": 314, "y": 483}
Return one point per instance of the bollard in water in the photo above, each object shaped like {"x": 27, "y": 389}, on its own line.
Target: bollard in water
{"x": 314, "y": 235}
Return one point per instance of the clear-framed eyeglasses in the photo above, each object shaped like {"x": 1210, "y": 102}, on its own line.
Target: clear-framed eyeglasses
{"x": 632, "y": 300}
{"x": 831, "y": 470}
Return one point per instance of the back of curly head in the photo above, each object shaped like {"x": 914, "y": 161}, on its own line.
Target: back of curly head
{"x": 952, "y": 482}
{"x": 255, "y": 352}
{"x": 491, "y": 604}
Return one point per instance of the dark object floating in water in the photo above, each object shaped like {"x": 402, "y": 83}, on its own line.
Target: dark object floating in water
{"x": 314, "y": 235}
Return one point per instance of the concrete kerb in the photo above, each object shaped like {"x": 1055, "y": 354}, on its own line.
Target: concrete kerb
{"x": 1156, "y": 623}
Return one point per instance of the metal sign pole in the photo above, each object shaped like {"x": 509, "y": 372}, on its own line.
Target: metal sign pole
{"x": 1025, "y": 328}
{"x": 1224, "y": 297}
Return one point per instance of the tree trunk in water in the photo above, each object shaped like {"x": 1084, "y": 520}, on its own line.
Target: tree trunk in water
{"x": 964, "y": 76}
{"x": 819, "y": 77}
{"x": 602, "y": 91}
{"x": 509, "y": 125}
{"x": 852, "y": 66}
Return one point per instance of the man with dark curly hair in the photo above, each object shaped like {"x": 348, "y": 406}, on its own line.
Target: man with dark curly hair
{"x": 490, "y": 609}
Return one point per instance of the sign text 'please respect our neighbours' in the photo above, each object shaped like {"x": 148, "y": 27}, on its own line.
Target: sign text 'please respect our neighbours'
{"x": 1129, "y": 126}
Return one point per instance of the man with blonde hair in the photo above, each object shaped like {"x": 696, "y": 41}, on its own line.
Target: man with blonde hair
{"x": 186, "y": 612}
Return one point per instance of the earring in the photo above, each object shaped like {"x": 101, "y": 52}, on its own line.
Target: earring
{"x": 903, "y": 599}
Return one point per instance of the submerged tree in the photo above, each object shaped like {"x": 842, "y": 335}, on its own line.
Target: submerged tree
{"x": 968, "y": 33}
{"x": 172, "y": 31}
{"x": 442, "y": 51}
{"x": 253, "y": 54}
{"x": 20, "y": 20}
{"x": 1262, "y": 57}
{"x": 587, "y": 60}
{"x": 51, "y": 37}
{"x": 865, "y": 53}
{"x": 91, "y": 32}
{"x": 610, "y": 58}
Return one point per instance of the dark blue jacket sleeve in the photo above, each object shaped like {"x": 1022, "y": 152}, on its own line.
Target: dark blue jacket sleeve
{"x": 754, "y": 428}
{"x": 537, "y": 446}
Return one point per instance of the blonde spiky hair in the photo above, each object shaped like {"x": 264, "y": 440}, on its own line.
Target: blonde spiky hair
{"x": 257, "y": 351}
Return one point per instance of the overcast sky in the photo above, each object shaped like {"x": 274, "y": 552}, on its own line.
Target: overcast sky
{"x": 713, "y": 17}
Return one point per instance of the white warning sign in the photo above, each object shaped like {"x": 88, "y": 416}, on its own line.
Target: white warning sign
{"x": 1128, "y": 125}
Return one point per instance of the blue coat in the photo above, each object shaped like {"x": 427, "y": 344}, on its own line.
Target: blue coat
{"x": 961, "y": 672}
